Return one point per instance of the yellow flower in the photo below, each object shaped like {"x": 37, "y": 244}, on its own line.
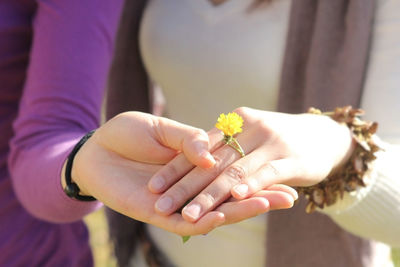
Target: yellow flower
{"x": 230, "y": 124}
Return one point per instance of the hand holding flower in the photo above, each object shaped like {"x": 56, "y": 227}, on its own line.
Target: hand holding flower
{"x": 230, "y": 125}
{"x": 280, "y": 148}
{"x": 116, "y": 163}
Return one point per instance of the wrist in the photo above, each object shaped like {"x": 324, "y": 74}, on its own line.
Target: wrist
{"x": 351, "y": 173}
{"x": 82, "y": 190}
{"x": 348, "y": 144}
{"x": 71, "y": 188}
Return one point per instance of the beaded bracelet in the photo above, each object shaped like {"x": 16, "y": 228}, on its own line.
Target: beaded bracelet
{"x": 348, "y": 178}
{"x": 72, "y": 189}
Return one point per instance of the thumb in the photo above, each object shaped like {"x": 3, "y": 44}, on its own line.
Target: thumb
{"x": 192, "y": 141}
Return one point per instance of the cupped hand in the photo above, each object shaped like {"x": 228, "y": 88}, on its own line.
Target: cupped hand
{"x": 116, "y": 163}
{"x": 296, "y": 150}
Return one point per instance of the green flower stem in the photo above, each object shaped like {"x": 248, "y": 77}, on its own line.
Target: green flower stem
{"x": 185, "y": 238}
{"x": 232, "y": 142}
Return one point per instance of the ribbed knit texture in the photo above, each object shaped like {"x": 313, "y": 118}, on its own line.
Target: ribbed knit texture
{"x": 364, "y": 211}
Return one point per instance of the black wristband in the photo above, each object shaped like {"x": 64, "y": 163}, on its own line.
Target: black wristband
{"x": 72, "y": 189}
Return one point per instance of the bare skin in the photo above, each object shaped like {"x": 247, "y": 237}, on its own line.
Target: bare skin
{"x": 117, "y": 162}
{"x": 296, "y": 150}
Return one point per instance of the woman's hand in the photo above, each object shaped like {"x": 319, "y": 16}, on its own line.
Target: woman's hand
{"x": 116, "y": 163}
{"x": 296, "y": 150}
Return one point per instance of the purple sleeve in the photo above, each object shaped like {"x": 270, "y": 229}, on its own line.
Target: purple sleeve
{"x": 70, "y": 58}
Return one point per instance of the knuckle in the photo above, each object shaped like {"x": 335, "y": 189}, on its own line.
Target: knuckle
{"x": 159, "y": 126}
{"x": 180, "y": 193}
{"x": 236, "y": 172}
{"x": 270, "y": 167}
{"x": 170, "y": 171}
{"x": 199, "y": 133}
{"x": 208, "y": 199}
{"x": 218, "y": 166}
{"x": 241, "y": 110}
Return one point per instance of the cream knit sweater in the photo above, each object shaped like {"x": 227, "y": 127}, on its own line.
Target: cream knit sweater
{"x": 210, "y": 60}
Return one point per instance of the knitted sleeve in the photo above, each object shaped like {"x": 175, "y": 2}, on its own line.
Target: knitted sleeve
{"x": 374, "y": 211}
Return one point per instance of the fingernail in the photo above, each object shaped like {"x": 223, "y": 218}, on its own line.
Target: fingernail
{"x": 193, "y": 211}
{"x": 208, "y": 157}
{"x": 241, "y": 189}
{"x": 296, "y": 195}
{"x": 157, "y": 183}
{"x": 164, "y": 204}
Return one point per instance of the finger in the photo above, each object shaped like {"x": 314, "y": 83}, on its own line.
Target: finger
{"x": 121, "y": 184}
{"x": 146, "y": 138}
{"x": 277, "y": 199}
{"x": 177, "y": 168}
{"x": 276, "y": 187}
{"x": 193, "y": 142}
{"x": 169, "y": 174}
{"x": 243, "y": 209}
{"x": 271, "y": 172}
{"x": 220, "y": 189}
{"x": 284, "y": 188}
{"x": 176, "y": 224}
{"x": 196, "y": 180}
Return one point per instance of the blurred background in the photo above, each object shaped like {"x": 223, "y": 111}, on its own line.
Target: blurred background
{"x": 102, "y": 249}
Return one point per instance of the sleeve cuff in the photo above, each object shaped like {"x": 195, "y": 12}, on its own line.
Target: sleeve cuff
{"x": 374, "y": 211}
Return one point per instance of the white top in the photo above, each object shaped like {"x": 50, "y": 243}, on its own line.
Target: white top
{"x": 210, "y": 60}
